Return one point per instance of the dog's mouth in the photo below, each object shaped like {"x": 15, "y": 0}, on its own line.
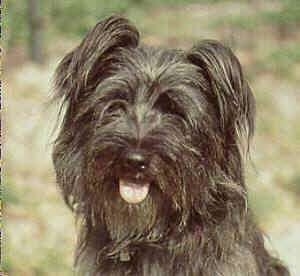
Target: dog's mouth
{"x": 133, "y": 191}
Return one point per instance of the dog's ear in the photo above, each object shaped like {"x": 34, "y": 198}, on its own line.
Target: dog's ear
{"x": 83, "y": 68}
{"x": 77, "y": 75}
{"x": 228, "y": 90}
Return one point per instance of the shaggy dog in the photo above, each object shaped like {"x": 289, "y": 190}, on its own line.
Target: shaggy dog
{"x": 150, "y": 157}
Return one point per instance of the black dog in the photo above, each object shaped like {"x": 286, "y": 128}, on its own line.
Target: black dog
{"x": 150, "y": 157}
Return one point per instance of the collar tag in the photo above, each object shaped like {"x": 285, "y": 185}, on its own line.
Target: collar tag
{"x": 124, "y": 255}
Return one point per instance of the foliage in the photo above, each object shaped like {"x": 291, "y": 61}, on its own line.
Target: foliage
{"x": 15, "y": 27}
{"x": 71, "y": 17}
{"x": 282, "y": 61}
{"x": 288, "y": 16}
{"x": 294, "y": 186}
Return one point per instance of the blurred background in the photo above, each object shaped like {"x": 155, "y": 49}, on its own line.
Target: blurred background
{"x": 39, "y": 234}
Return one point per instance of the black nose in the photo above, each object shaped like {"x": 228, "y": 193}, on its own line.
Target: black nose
{"x": 136, "y": 160}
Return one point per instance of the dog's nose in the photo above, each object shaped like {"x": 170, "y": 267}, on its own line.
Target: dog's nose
{"x": 136, "y": 160}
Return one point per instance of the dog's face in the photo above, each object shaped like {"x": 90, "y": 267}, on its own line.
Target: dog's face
{"x": 152, "y": 140}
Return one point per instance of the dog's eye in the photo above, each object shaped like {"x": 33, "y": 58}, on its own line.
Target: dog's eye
{"x": 166, "y": 105}
{"x": 115, "y": 107}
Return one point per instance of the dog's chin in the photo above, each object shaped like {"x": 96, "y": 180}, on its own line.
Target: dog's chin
{"x": 133, "y": 191}
{"x": 135, "y": 207}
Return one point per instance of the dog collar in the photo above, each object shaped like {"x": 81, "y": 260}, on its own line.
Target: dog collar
{"x": 124, "y": 255}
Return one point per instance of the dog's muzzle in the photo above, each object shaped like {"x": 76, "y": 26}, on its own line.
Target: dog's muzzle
{"x": 134, "y": 185}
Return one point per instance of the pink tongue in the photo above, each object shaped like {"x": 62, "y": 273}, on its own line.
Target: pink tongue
{"x": 133, "y": 192}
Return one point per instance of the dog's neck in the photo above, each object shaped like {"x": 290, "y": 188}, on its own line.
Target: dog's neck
{"x": 126, "y": 254}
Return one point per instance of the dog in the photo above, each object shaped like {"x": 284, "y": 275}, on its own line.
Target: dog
{"x": 150, "y": 157}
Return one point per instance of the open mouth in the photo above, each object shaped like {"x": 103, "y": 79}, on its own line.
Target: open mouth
{"x": 133, "y": 191}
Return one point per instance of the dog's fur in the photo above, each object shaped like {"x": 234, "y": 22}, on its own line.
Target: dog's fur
{"x": 192, "y": 114}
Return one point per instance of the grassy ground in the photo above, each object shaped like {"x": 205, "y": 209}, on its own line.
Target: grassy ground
{"x": 39, "y": 232}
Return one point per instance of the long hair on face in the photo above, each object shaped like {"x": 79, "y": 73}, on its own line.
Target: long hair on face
{"x": 193, "y": 113}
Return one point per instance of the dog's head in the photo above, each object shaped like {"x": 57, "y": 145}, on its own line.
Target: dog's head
{"x": 152, "y": 140}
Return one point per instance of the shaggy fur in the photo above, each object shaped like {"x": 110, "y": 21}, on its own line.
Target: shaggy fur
{"x": 190, "y": 115}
